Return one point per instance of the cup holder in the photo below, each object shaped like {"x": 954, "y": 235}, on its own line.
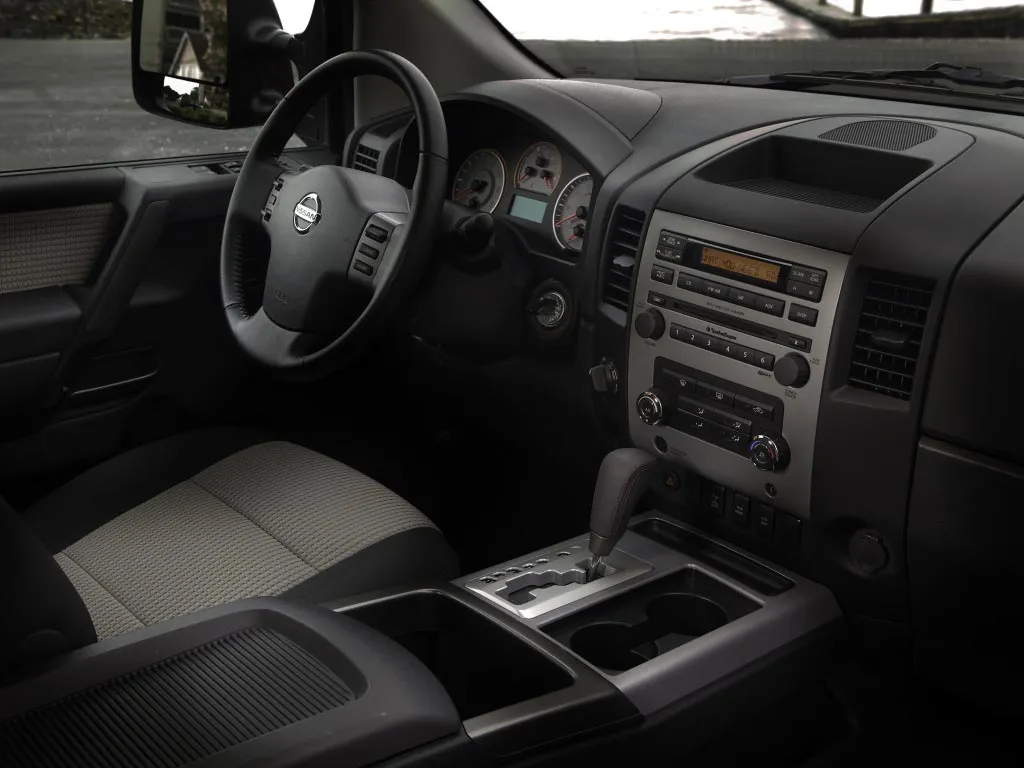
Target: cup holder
{"x": 670, "y": 621}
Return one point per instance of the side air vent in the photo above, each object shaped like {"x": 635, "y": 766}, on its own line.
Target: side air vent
{"x": 889, "y": 333}
{"x": 893, "y": 135}
{"x": 623, "y": 250}
{"x": 366, "y": 159}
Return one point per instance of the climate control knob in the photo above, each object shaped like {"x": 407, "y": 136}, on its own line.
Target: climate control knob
{"x": 769, "y": 453}
{"x": 650, "y": 407}
{"x": 650, "y": 324}
{"x": 792, "y": 370}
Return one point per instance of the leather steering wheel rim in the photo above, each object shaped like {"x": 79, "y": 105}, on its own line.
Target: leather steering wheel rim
{"x": 272, "y": 243}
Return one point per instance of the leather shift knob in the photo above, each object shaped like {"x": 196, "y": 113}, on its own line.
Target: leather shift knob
{"x": 624, "y": 476}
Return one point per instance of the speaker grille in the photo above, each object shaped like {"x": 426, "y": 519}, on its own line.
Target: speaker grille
{"x": 180, "y": 710}
{"x": 893, "y": 135}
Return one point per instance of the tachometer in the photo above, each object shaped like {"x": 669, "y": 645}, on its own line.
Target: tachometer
{"x": 480, "y": 181}
{"x": 539, "y": 169}
{"x": 571, "y": 211}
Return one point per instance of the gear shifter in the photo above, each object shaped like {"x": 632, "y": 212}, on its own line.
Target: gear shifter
{"x": 624, "y": 476}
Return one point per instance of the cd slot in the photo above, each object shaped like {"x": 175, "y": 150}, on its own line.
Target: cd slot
{"x": 775, "y": 335}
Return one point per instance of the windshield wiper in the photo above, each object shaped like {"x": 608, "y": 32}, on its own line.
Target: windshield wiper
{"x": 945, "y": 77}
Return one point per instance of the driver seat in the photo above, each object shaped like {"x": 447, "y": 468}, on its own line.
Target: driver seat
{"x": 197, "y": 520}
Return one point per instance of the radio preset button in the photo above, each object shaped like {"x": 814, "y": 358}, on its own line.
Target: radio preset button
{"x": 764, "y": 361}
{"x": 716, "y": 290}
{"x": 761, "y": 410}
{"x": 690, "y": 283}
{"x": 803, "y": 290}
{"x": 668, "y": 254}
{"x": 715, "y": 394}
{"x": 805, "y": 275}
{"x": 710, "y": 343}
{"x": 671, "y": 239}
{"x": 770, "y": 305}
{"x": 743, "y": 297}
{"x": 662, "y": 275}
{"x": 685, "y": 335}
{"x": 803, "y": 315}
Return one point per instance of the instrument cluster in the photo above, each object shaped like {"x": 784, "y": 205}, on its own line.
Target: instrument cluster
{"x": 534, "y": 183}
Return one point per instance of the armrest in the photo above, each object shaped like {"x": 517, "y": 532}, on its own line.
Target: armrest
{"x": 256, "y": 680}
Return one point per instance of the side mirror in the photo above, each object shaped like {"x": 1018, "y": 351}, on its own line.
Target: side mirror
{"x": 217, "y": 63}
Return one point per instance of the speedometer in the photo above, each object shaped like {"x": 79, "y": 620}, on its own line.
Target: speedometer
{"x": 571, "y": 212}
{"x": 480, "y": 181}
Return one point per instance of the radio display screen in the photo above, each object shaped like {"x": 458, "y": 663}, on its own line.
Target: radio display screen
{"x": 740, "y": 265}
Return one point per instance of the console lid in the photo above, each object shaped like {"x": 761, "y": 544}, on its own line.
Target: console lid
{"x": 255, "y": 680}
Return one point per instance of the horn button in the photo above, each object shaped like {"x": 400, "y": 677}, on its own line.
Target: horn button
{"x": 314, "y": 232}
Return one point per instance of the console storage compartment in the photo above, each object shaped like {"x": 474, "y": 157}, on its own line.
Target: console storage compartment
{"x": 481, "y": 666}
{"x": 633, "y": 628}
{"x": 253, "y": 681}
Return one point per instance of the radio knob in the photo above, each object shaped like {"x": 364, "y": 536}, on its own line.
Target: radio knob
{"x": 792, "y": 370}
{"x": 650, "y": 324}
{"x": 650, "y": 407}
{"x": 769, "y": 453}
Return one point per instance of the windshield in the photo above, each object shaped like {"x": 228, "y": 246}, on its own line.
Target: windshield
{"x": 707, "y": 40}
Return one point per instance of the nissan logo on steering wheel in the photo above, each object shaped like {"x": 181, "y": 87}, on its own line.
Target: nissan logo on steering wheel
{"x": 306, "y": 213}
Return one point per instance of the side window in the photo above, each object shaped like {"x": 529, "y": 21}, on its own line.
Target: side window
{"x": 66, "y": 86}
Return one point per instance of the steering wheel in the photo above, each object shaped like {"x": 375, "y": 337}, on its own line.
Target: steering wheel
{"x": 313, "y": 261}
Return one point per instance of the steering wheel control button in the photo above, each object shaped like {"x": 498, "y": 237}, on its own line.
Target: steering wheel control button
{"x": 368, "y": 250}
{"x": 739, "y": 510}
{"x": 805, "y": 275}
{"x": 362, "y": 266}
{"x": 662, "y": 275}
{"x": 803, "y": 315}
{"x": 378, "y": 234}
{"x": 671, "y": 240}
{"x": 792, "y": 370}
{"x": 770, "y": 305}
{"x": 650, "y": 324}
{"x": 803, "y": 290}
{"x": 650, "y": 408}
{"x": 764, "y": 520}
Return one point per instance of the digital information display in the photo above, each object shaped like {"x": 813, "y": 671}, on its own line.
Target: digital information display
{"x": 740, "y": 265}
{"x": 528, "y": 208}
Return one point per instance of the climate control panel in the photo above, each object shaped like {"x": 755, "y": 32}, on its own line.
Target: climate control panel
{"x": 726, "y": 356}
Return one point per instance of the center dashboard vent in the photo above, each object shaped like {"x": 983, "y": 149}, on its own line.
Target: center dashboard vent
{"x": 623, "y": 251}
{"x": 366, "y": 159}
{"x": 889, "y": 333}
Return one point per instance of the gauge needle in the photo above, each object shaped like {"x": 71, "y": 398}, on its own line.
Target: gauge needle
{"x": 463, "y": 193}
{"x": 547, "y": 180}
{"x": 565, "y": 220}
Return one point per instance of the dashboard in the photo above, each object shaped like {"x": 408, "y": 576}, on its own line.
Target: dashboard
{"x": 779, "y": 295}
